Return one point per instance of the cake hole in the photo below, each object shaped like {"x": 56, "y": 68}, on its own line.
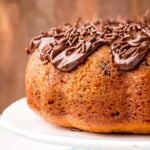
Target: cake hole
{"x": 89, "y": 108}
{"x": 50, "y": 102}
{"x": 59, "y": 104}
{"x": 115, "y": 114}
{"x": 79, "y": 115}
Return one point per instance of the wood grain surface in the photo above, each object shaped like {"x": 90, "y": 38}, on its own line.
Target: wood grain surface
{"x": 22, "y": 19}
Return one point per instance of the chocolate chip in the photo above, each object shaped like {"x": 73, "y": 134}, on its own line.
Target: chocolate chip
{"x": 106, "y": 70}
{"x": 145, "y": 63}
{"x": 115, "y": 114}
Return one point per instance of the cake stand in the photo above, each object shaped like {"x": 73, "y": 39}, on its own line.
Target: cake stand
{"x": 19, "y": 119}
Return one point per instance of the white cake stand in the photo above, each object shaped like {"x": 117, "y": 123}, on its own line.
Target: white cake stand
{"x": 19, "y": 119}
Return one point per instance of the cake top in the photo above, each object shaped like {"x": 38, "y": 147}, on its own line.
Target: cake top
{"x": 69, "y": 45}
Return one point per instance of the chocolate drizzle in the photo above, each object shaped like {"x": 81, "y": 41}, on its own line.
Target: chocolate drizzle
{"x": 69, "y": 45}
{"x": 131, "y": 47}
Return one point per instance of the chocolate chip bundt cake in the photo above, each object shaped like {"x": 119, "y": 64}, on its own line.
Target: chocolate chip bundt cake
{"x": 94, "y": 76}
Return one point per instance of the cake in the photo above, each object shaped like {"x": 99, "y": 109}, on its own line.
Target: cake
{"x": 93, "y": 76}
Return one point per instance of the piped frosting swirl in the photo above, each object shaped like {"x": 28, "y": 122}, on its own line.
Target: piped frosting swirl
{"x": 69, "y": 45}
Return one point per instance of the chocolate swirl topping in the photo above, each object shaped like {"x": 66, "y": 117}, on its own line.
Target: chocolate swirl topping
{"x": 69, "y": 45}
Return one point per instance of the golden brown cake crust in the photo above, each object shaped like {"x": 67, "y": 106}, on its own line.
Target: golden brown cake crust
{"x": 94, "y": 97}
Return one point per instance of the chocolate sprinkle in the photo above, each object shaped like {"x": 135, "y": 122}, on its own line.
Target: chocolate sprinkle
{"x": 69, "y": 45}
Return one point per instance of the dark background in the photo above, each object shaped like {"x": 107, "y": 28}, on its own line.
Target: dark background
{"x": 20, "y": 20}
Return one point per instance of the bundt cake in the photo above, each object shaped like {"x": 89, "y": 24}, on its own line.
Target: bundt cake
{"x": 94, "y": 76}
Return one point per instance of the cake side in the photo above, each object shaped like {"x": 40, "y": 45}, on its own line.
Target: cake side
{"x": 94, "y": 97}
{"x": 32, "y": 78}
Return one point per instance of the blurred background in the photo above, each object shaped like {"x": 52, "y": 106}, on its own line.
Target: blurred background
{"x": 20, "y": 20}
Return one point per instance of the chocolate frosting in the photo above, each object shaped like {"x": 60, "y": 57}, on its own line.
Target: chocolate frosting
{"x": 69, "y": 45}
